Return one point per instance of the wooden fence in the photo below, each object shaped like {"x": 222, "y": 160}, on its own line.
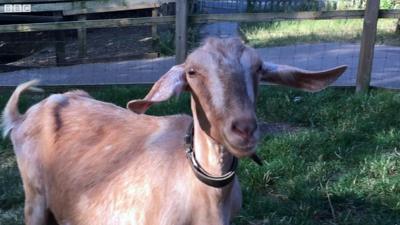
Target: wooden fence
{"x": 57, "y": 10}
{"x": 182, "y": 18}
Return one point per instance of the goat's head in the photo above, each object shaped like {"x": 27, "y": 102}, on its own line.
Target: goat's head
{"x": 222, "y": 76}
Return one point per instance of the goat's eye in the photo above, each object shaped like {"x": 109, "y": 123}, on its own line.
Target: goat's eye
{"x": 191, "y": 72}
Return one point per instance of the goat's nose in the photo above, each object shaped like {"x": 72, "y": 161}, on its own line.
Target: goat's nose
{"x": 244, "y": 127}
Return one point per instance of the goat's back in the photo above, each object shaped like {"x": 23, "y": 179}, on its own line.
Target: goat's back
{"x": 86, "y": 154}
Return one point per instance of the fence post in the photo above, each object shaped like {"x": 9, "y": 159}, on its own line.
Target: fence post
{"x": 82, "y": 39}
{"x": 154, "y": 34}
{"x": 181, "y": 18}
{"x": 60, "y": 43}
{"x": 60, "y": 47}
{"x": 367, "y": 46}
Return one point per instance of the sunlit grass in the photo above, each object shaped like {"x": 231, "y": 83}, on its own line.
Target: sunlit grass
{"x": 312, "y": 31}
{"x": 348, "y": 149}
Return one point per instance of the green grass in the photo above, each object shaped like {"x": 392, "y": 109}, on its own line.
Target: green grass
{"x": 348, "y": 150}
{"x": 312, "y": 31}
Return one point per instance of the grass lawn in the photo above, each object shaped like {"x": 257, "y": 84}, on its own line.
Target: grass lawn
{"x": 312, "y": 31}
{"x": 341, "y": 167}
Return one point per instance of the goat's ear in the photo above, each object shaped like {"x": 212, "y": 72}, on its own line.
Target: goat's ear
{"x": 298, "y": 78}
{"x": 170, "y": 84}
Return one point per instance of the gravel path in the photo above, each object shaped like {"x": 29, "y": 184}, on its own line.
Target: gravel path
{"x": 386, "y": 68}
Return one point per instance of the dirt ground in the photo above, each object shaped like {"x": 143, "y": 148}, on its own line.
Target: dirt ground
{"x": 102, "y": 45}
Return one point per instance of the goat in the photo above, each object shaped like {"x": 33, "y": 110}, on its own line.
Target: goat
{"x": 83, "y": 161}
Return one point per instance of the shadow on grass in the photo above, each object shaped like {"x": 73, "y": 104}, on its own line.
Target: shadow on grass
{"x": 348, "y": 209}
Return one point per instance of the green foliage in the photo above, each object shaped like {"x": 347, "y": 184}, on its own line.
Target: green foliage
{"x": 387, "y": 4}
{"x": 283, "y": 6}
{"x": 360, "y": 4}
{"x": 347, "y": 149}
{"x": 166, "y": 41}
{"x": 351, "y": 4}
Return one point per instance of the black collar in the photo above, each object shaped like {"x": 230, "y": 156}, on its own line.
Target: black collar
{"x": 201, "y": 174}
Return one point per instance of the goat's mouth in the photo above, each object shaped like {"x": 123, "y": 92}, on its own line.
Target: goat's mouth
{"x": 240, "y": 135}
{"x": 241, "y": 151}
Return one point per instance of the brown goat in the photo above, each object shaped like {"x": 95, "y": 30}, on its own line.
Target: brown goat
{"x": 84, "y": 162}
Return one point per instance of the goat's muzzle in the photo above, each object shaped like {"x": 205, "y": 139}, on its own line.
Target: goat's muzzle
{"x": 241, "y": 135}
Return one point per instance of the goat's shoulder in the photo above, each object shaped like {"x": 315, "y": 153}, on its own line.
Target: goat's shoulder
{"x": 169, "y": 133}
{"x": 178, "y": 121}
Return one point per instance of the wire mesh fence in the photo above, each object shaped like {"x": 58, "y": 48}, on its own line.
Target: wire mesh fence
{"x": 39, "y": 49}
{"x": 311, "y": 44}
{"x": 317, "y": 45}
{"x": 134, "y": 54}
{"x": 113, "y": 56}
{"x": 213, "y": 6}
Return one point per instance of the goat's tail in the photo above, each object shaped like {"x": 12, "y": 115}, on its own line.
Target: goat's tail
{"x": 11, "y": 115}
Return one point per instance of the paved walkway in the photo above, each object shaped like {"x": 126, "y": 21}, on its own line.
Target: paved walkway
{"x": 386, "y": 68}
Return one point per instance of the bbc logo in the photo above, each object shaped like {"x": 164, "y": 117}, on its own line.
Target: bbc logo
{"x": 17, "y": 8}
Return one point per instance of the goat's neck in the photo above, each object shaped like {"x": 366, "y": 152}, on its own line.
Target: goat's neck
{"x": 212, "y": 156}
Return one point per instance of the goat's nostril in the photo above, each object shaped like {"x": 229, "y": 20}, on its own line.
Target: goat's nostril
{"x": 244, "y": 128}
{"x": 236, "y": 129}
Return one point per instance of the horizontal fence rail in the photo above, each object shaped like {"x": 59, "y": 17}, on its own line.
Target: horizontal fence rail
{"x": 82, "y": 7}
{"x": 202, "y": 18}
{"x": 269, "y": 17}
{"x": 103, "y": 23}
{"x": 29, "y": 1}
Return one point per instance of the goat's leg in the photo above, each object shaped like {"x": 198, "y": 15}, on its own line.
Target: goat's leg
{"x": 35, "y": 208}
